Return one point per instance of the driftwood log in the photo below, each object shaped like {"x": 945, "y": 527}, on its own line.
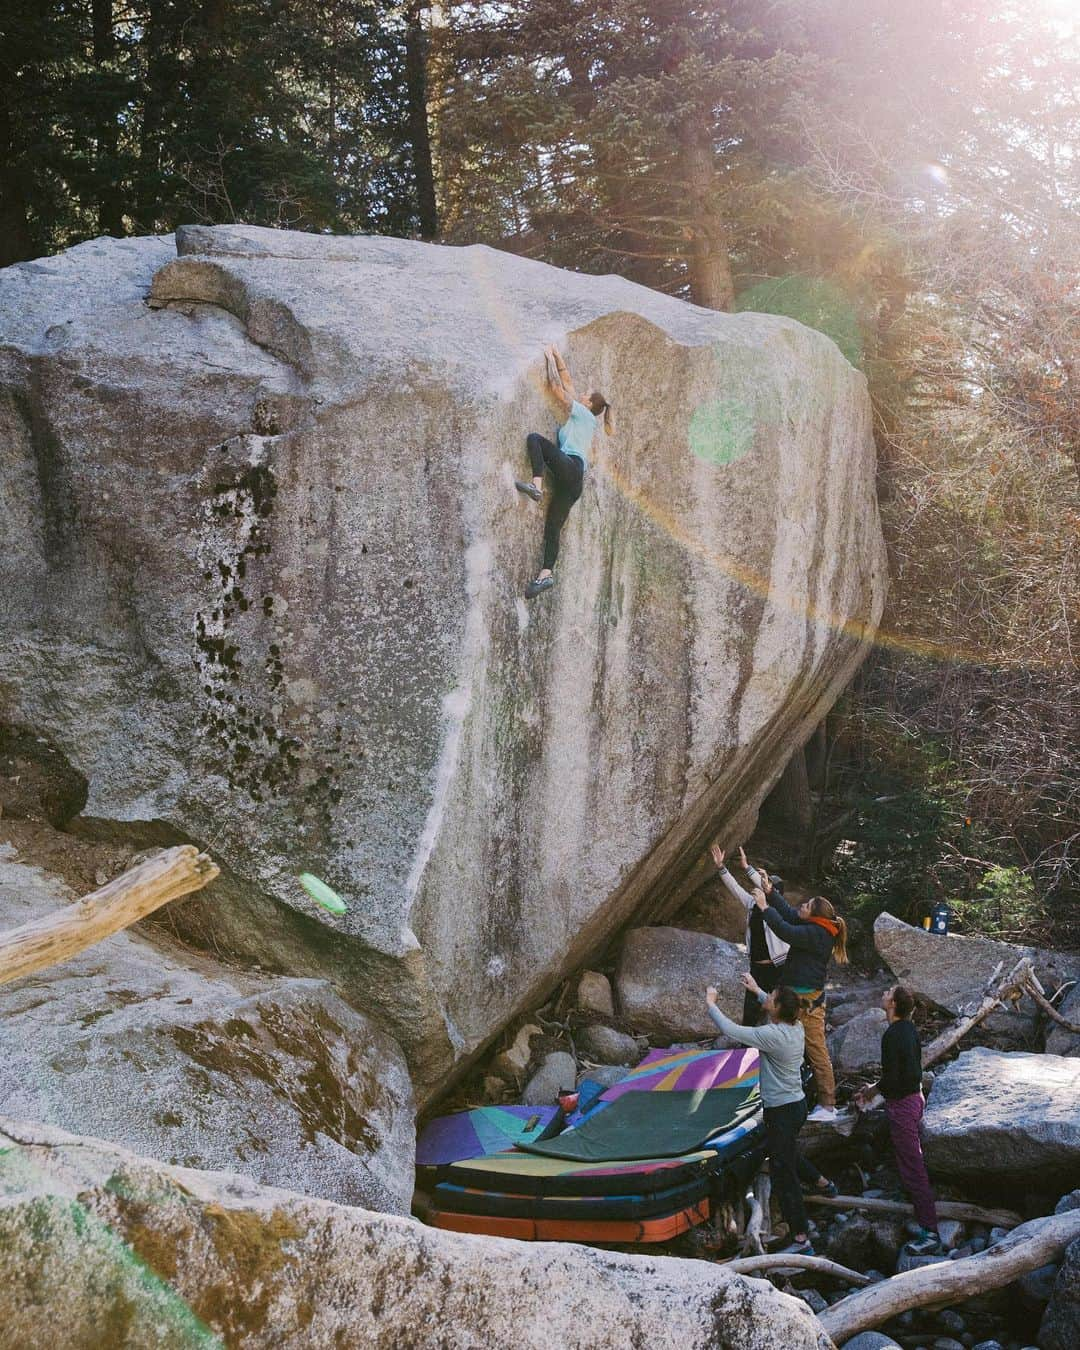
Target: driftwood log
{"x": 1034, "y": 991}
{"x": 1026, "y": 1248}
{"x": 139, "y": 891}
{"x": 758, "y": 1229}
{"x": 792, "y": 1261}
{"x": 947, "y": 1209}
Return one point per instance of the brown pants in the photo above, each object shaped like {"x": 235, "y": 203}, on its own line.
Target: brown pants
{"x": 813, "y": 1021}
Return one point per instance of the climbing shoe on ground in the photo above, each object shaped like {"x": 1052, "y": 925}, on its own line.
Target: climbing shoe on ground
{"x": 529, "y": 489}
{"x": 797, "y": 1249}
{"x": 829, "y": 1190}
{"x": 535, "y": 588}
{"x": 824, "y": 1115}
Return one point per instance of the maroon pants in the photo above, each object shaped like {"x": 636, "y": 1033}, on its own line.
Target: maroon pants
{"x": 905, "y": 1118}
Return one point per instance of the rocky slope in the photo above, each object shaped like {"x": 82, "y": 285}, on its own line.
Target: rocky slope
{"x": 261, "y": 577}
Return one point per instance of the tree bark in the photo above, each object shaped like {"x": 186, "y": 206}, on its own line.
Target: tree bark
{"x": 708, "y": 263}
{"x": 139, "y": 891}
{"x": 1026, "y": 1248}
{"x": 16, "y": 238}
{"x": 790, "y": 799}
{"x": 110, "y": 208}
{"x": 148, "y": 196}
{"x": 419, "y": 131}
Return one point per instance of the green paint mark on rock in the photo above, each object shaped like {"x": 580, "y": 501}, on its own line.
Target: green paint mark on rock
{"x": 721, "y": 431}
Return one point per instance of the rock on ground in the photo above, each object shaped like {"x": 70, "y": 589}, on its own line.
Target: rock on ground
{"x": 1060, "y": 1328}
{"x": 514, "y": 1060}
{"x": 557, "y": 1074}
{"x": 662, "y": 975}
{"x": 170, "y": 1053}
{"x": 1022, "y": 1111}
{"x": 594, "y": 994}
{"x": 99, "y": 1247}
{"x": 871, "y": 1340}
{"x": 1060, "y": 1040}
{"x": 952, "y": 971}
{"x": 605, "y": 1045}
{"x": 263, "y": 563}
{"x": 856, "y": 1045}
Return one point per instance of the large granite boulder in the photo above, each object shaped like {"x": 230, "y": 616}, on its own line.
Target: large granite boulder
{"x": 1017, "y": 1113}
{"x": 101, "y": 1248}
{"x": 262, "y": 573}
{"x": 168, "y": 1052}
{"x": 662, "y": 975}
{"x": 952, "y": 971}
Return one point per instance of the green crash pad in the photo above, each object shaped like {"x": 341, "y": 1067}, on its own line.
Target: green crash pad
{"x": 652, "y": 1125}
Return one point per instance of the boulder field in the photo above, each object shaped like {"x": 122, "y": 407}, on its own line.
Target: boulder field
{"x": 262, "y": 573}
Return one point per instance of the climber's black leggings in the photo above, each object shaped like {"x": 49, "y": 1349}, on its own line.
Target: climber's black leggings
{"x": 568, "y": 474}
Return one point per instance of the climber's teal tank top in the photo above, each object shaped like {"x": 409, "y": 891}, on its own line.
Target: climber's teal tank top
{"x": 576, "y": 433}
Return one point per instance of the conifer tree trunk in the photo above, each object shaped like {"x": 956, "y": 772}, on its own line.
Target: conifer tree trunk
{"x": 110, "y": 208}
{"x": 709, "y": 264}
{"x": 16, "y": 240}
{"x": 419, "y": 131}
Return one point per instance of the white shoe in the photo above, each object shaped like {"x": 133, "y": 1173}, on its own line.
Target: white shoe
{"x": 824, "y": 1115}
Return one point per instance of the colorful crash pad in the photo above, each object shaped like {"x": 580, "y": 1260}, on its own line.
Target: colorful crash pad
{"x": 528, "y": 1174}
{"x": 483, "y": 1130}
{"x": 468, "y": 1200}
{"x": 680, "y": 1071}
{"x": 660, "y": 1229}
{"x": 653, "y": 1124}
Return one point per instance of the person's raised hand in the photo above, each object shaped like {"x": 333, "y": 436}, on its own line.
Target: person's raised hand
{"x": 711, "y": 995}
{"x": 766, "y": 883}
{"x": 742, "y": 859}
{"x": 748, "y": 982}
{"x": 759, "y": 898}
{"x": 717, "y": 855}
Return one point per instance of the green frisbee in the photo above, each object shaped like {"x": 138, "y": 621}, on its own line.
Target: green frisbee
{"x": 321, "y": 893}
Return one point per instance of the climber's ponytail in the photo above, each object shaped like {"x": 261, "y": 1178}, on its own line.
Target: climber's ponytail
{"x": 599, "y": 405}
{"x": 821, "y": 908}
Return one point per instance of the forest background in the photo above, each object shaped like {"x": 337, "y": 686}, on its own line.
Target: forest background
{"x": 904, "y": 177}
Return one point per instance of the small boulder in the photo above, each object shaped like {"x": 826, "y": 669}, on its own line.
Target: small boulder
{"x": 871, "y": 1340}
{"x": 606, "y": 1074}
{"x": 662, "y": 975}
{"x": 594, "y": 994}
{"x": 605, "y": 1045}
{"x": 514, "y": 1060}
{"x": 1018, "y": 1109}
{"x": 950, "y": 1231}
{"x": 1060, "y": 1329}
{"x": 557, "y": 1074}
{"x": 1060, "y": 1040}
{"x": 1037, "y": 1286}
{"x": 817, "y": 1303}
{"x": 856, "y": 1046}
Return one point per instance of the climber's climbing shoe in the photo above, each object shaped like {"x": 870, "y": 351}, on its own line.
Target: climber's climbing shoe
{"x": 537, "y": 587}
{"x": 529, "y": 489}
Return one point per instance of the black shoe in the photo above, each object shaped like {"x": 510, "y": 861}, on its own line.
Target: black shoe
{"x": 537, "y": 587}
{"x": 829, "y": 1190}
{"x": 529, "y": 489}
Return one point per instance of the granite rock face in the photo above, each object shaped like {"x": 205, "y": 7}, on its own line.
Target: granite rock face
{"x": 99, "y": 1247}
{"x": 262, "y": 574}
{"x": 168, "y": 1052}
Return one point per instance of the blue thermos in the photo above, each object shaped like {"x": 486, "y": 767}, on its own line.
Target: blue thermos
{"x": 939, "y": 919}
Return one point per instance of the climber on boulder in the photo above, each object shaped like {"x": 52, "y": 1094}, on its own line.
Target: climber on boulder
{"x": 566, "y": 461}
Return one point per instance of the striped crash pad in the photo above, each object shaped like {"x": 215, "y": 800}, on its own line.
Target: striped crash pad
{"x": 484, "y": 1130}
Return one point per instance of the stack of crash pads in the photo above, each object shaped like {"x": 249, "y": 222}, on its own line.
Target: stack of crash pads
{"x": 638, "y": 1166}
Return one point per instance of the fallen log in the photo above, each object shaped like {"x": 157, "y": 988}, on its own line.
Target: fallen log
{"x": 758, "y": 1224}
{"x": 139, "y": 891}
{"x": 1026, "y": 1248}
{"x": 947, "y": 1209}
{"x": 776, "y": 1261}
{"x": 1049, "y": 1009}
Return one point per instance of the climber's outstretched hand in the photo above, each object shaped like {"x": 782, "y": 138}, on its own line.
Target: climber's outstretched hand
{"x": 717, "y": 855}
